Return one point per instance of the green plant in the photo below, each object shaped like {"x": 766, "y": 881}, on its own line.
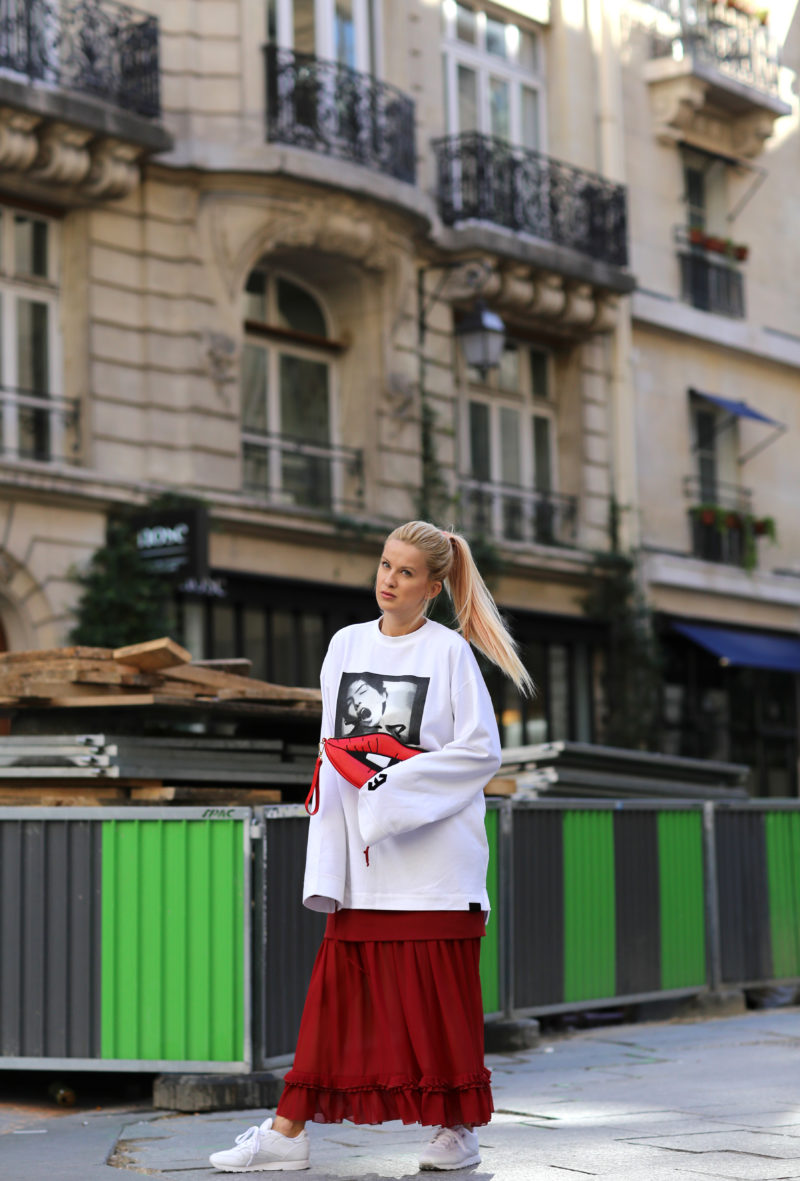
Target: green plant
{"x": 633, "y": 660}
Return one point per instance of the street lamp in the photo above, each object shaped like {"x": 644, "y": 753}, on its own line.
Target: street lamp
{"x": 483, "y": 336}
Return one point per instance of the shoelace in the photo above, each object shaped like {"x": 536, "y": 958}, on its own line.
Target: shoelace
{"x": 446, "y": 1136}
{"x": 250, "y": 1141}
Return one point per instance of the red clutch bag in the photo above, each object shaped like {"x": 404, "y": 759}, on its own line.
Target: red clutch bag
{"x": 351, "y": 758}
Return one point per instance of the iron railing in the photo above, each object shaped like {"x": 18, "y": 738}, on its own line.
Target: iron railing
{"x": 720, "y": 521}
{"x": 39, "y": 426}
{"x": 722, "y": 36}
{"x": 507, "y": 512}
{"x": 711, "y": 284}
{"x": 96, "y": 47}
{"x": 332, "y": 109}
{"x": 485, "y": 178}
{"x": 291, "y": 472}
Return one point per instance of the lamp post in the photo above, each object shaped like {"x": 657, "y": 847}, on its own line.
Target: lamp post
{"x": 481, "y": 334}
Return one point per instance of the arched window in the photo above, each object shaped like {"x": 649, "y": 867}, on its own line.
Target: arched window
{"x": 287, "y": 396}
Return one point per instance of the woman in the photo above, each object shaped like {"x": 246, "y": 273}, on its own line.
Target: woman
{"x": 393, "y": 1021}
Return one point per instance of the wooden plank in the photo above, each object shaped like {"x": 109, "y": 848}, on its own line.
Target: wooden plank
{"x": 263, "y": 690}
{"x": 78, "y": 652}
{"x": 97, "y": 699}
{"x": 154, "y": 794}
{"x": 500, "y": 786}
{"x": 239, "y": 665}
{"x": 153, "y": 655}
{"x": 60, "y": 794}
{"x": 229, "y": 797}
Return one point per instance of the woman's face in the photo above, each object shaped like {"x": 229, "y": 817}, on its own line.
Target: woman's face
{"x": 403, "y": 585}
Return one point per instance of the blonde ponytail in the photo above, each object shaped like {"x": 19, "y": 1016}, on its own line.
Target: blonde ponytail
{"x": 449, "y": 560}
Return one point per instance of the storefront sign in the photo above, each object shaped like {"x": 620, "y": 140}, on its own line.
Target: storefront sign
{"x": 174, "y": 542}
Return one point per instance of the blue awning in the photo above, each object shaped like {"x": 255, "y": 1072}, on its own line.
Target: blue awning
{"x": 737, "y": 409}
{"x": 745, "y": 649}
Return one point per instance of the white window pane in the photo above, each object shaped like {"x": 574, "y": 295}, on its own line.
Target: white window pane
{"x": 254, "y": 388}
{"x": 508, "y": 372}
{"x": 30, "y": 246}
{"x": 543, "y": 472}
{"x": 496, "y": 42}
{"x": 255, "y": 297}
{"x": 33, "y": 361}
{"x": 304, "y": 28}
{"x": 467, "y": 99}
{"x": 299, "y": 311}
{"x": 500, "y": 108}
{"x": 345, "y": 33}
{"x": 528, "y": 53}
{"x": 479, "y": 446}
{"x": 465, "y": 24}
{"x": 530, "y": 118}
{"x": 509, "y": 446}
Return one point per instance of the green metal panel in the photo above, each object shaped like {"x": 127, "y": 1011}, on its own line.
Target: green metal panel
{"x": 682, "y": 903}
{"x": 589, "y": 908}
{"x": 783, "y": 877}
{"x": 173, "y": 940}
{"x": 490, "y": 944}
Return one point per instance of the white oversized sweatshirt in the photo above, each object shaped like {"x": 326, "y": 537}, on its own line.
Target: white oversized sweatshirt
{"x": 421, "y": 820}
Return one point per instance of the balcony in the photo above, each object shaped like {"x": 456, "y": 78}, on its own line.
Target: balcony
{"x": 719, "y": 62}
{"x": 79, "y": 95}
{"x": 292, "y": 473}
{"x": 39, "y": 427}
{"x": 507, "y": 513}
{"x": 486, "y": 179}
{"x": 711, "y": 274}
{"x": 336, "y": 111}
{"x": 722, "y": 525}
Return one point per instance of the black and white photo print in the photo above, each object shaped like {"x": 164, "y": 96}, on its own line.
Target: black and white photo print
{"x": 378, "y": 703}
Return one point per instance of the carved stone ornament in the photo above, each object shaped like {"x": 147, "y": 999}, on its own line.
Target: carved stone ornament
{"x": 220, "y": 353}
{"x": 59, "y": 153}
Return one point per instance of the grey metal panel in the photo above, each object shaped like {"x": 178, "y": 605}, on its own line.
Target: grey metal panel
{"x": 293, "y": 934}
{"x": 49, "y": 937}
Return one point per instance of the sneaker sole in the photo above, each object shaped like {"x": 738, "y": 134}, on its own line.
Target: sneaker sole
{"x": 464, "y": 1164}
{"x": 282, "y": 1166}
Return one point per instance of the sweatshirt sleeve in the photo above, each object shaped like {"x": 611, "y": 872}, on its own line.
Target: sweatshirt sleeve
{"x": 326, "y": 852}
{"x": 438, "y": 783}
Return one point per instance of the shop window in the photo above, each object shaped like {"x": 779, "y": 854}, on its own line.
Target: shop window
{"x": 493, "y": 75}
{"x": 34, "y": 423}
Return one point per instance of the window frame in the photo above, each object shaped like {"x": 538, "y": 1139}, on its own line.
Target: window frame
{"x": 44, "y": 290}
{"x": 487, "y": 65}
{"x": 368, "y": 41}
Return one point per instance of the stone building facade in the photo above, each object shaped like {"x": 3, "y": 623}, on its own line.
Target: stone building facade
{"x": 235, "y": 263}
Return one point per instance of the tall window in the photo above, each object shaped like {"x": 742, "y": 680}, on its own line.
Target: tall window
{"x": 287, "y": 402}
{"x": 345, "y": 31}
{"x": 508, "y": 435}
{"x": 28, "y": 338}
{"x": 492, "y": 75}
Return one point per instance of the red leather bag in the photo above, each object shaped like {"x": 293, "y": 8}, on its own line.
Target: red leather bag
{"x": 350, "y": 757}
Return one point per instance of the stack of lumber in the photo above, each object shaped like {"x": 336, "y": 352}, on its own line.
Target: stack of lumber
{"x": 159, "y": 672}
{"x": 68, "y": 767}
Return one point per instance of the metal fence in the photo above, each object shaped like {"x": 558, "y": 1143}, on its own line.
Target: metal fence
{"x": 128, "y": 940}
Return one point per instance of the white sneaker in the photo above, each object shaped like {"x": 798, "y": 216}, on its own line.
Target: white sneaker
{"x": 260, "y": 1149}
{"x": 451, "y": 1148}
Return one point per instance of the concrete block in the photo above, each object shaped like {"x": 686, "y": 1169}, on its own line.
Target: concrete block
{"x": 503, "y": 1036}
{"x": 218, "y": 1092}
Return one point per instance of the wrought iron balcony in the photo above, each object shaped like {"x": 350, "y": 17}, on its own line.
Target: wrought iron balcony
{"x": 724, "y": 36}
{"x": 509, "y": 513}
{"x": 39, "y": 427}
{"x": 329, "y": 108}
{"x": 289, "y": 472}
{"x": 96, "y": 47}
{"x": 485, "y": 178}
{"x": 711, "y": 281}
{"x": 721, "y": 523}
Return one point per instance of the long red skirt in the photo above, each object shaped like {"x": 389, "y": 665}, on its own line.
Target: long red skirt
{"x": 391, "y": 1030}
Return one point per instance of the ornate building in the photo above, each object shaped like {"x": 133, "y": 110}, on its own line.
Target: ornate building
{"x": 239, "y": 242}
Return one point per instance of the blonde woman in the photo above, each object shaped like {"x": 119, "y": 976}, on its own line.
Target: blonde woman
{"x": 392, "y": 1027}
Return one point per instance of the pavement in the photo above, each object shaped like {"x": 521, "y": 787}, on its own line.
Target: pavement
{"x": 673, "y": 1100}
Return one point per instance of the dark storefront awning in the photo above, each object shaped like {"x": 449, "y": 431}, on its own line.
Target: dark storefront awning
{"x": 745, "y": 649}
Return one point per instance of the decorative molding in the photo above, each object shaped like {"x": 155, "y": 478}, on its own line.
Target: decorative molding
{"x": 53, "y": 152}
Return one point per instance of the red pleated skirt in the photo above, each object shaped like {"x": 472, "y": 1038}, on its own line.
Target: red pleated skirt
{"x": 392, "y": 1028}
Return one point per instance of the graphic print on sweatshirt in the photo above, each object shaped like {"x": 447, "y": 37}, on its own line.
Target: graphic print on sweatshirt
{"x": 379, "y": 703}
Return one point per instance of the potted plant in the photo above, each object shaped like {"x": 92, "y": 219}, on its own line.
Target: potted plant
{"x": 697, "y": 237}
{"x": 741, "y": 252}
{"x": 765, "y": 527}
{"x": 733, "y": 521}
